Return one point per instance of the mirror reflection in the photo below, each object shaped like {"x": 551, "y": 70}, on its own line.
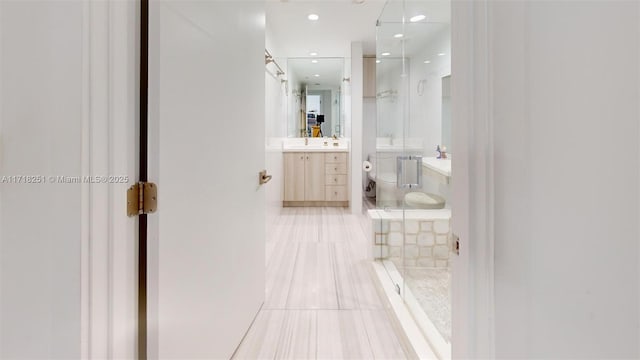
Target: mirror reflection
{"x": 316, "y": 101}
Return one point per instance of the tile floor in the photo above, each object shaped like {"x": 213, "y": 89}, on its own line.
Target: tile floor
{"x": 432, "y": 288}
{"x": 321, "y": 299}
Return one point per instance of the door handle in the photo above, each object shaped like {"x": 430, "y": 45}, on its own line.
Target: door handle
{"x": 403, "y": 174}
{"x": 263, "y": 177}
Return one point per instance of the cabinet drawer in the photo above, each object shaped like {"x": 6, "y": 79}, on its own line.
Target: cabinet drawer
{"x": 335, "y": 180}
{"x": 335, "y": 193}
{"x": 337, "y": 168}
{"x": 335, "y": 157}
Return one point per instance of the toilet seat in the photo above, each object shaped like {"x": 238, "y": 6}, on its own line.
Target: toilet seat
{"x": 421, "y": 200}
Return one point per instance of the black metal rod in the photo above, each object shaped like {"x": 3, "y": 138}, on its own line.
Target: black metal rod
{"x": 144, "y": 84}
{"x": 142, "y": 219}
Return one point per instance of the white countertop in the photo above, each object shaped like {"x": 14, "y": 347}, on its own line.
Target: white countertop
{"x": 441, "y": 166}
{"x": 315, "y": 145}
{"x": 315, "y": 148}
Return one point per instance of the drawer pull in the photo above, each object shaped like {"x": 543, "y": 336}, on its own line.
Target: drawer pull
{"x": 334, "y": 179}
{"x": 336, "y": 169}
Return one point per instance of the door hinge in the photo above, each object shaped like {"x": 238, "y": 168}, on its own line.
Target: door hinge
{"x": 455, "y": 244}
{"x": 142, "y": 198}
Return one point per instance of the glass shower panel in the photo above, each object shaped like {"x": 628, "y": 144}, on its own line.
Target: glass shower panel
{"x": 427, "y": 275}
{"x": 390, "y": 165}
{"x": 413, "y": 69}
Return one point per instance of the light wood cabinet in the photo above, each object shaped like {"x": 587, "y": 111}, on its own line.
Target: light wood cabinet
{"x": 315, "y": 179}
{"x": 335, "y": 169}
{"x": 336, "y": 193}
{"x": 335, "y": 180}
{"x": 369, "y": 77}
{"x": 294, "y": 176}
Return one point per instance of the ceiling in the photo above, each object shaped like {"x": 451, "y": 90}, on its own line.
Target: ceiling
{"x": 341, "y": 22}
{"x": 417, "y": 37}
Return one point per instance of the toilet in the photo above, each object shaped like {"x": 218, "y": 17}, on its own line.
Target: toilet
{"x": 387, "y": 193}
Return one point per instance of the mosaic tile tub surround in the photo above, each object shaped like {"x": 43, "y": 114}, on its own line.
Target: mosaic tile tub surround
{"x": 428, "y": 240}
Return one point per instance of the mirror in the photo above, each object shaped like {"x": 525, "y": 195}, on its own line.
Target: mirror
{"x": 315, "y": 97}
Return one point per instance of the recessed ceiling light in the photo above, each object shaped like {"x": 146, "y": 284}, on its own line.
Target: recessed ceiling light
{"x": 385, "y": 54}
{"x": 398, "y": 35}
{"x": 427, "y": 62}
{"x": 377, "y": 61}
{"x": 313, "y": 17}
{"x": 317, "y": 75}
{"x": 314, "y": 61}
{"x": 417, "y": 18}
{"x": 313, "y": 53}
{"x": 441, "y": 54}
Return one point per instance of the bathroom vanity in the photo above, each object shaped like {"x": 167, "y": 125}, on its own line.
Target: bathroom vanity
{"x": 316, "y": 175}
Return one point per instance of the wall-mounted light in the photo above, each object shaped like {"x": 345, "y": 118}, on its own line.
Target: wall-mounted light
{"x": 313, "y": 17}
{"x": 385, "y": 54}
{"x": 397, "y": 36}
{"x": 313, "y": 53}
{"x": 417, "y": 18}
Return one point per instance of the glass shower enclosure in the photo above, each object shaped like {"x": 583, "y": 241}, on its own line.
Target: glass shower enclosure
{"x": 412, "y": 160}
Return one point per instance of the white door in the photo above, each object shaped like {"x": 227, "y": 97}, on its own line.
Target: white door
{"x": 206, "y": 126}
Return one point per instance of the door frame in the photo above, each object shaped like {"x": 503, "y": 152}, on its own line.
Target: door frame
{"x": 473, "y": 270}
{"x": 109, "y": 239}
{"x": 108, "y": 266}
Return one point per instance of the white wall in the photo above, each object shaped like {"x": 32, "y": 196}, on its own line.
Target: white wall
{"x": 369, "y": 122}
{"x": 354, "y": 104}
{"x": 390, "y": 117}
{"x": 276, "y": 125}
{"x": 562, "y": 118}
{"x": 425, "y": 118}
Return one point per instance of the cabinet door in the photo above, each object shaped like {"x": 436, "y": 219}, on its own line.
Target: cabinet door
{"x": 294, "y": 176}
{"x": 336, "y": 193}
{"x": 337, "y": 157}
{"x": 314, "y": 177}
